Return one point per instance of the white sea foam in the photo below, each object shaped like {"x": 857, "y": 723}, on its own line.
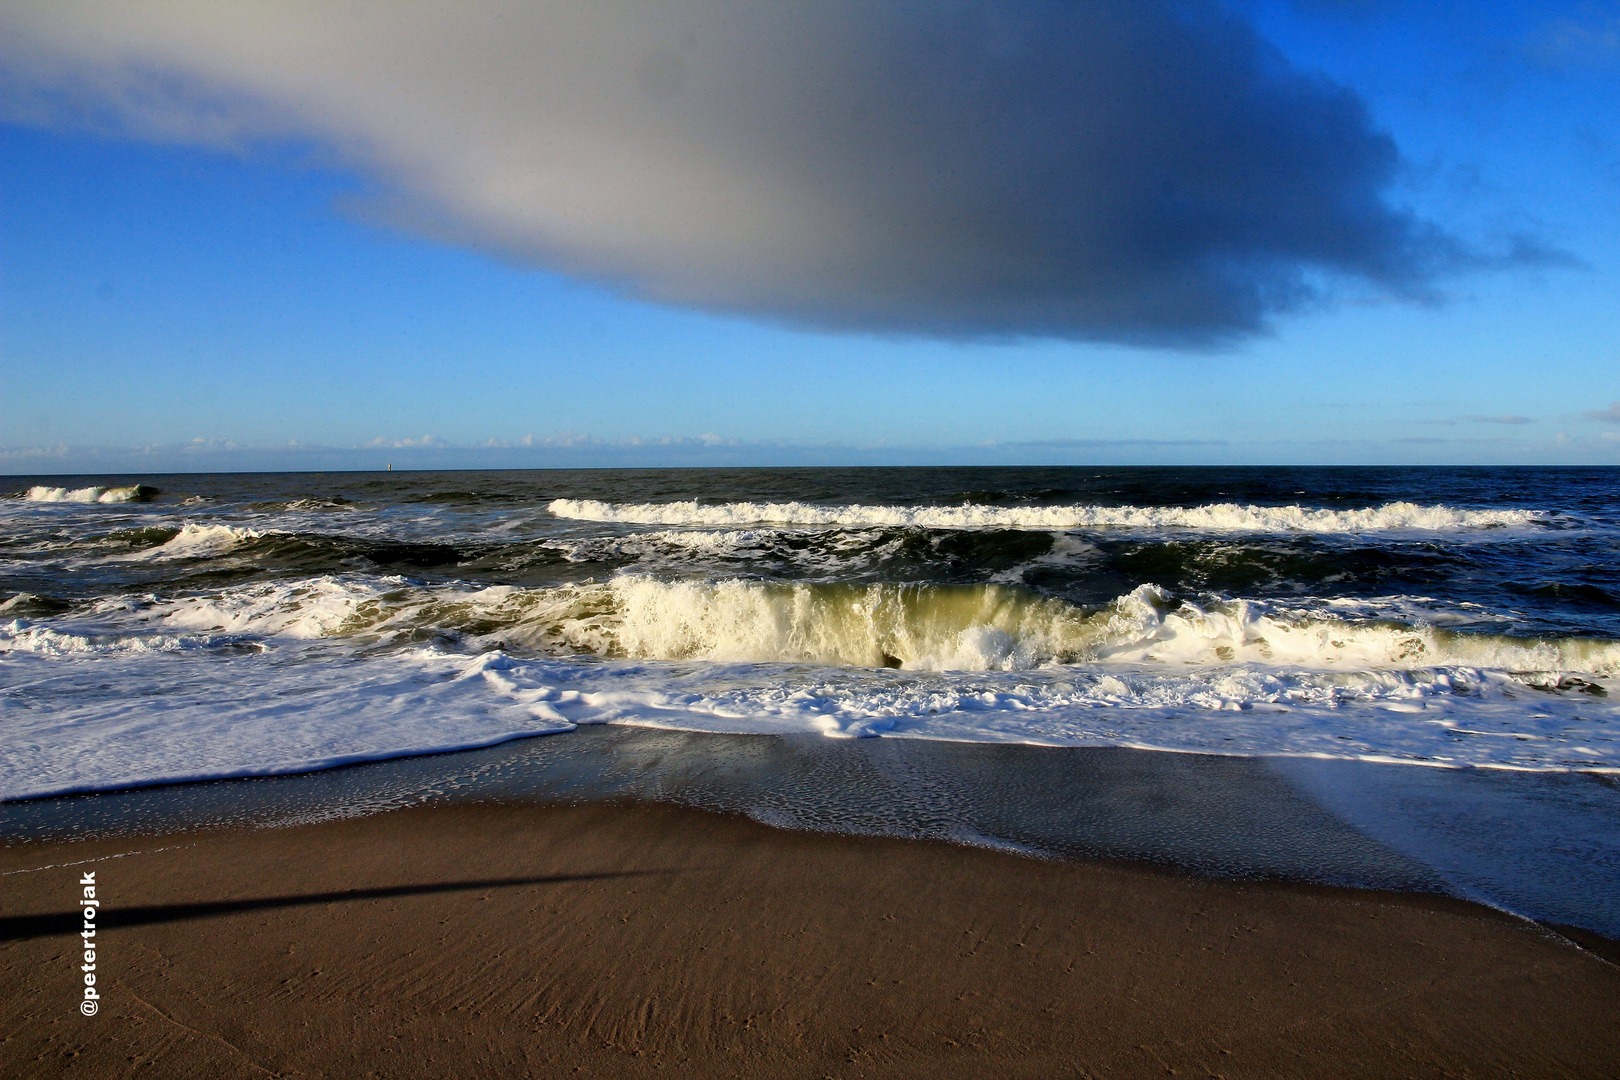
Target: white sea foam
{"x": 180, "y": 716}
{"x": 132, "y": 493}
{"x": 194, "y": 542}
{"x": 992, "y": 627}
{"x": 321, "y": 607}
{"x": 653, "y": 546}
{"x": 912, "y": 627}
{"x": 294, "y": 675}
{"x": 115, "y": 719}
{"x": 919, "y": 627}
{"x": 1216, "y": 517}
{"x": 20, "y": 636}
{"x": 825, "y": 553}
{"x": 308, "y": 505}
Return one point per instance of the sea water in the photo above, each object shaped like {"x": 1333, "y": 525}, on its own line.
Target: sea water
{"x": 168, "y": 628}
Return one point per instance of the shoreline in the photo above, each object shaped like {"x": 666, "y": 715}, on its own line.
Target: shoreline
{"x": 1540, "y": 846}
{"x": 629, "y": 938}
{"x": 385, "y": 757}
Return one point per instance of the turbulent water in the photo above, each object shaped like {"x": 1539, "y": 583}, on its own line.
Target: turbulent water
{"x": 163, "y": 628}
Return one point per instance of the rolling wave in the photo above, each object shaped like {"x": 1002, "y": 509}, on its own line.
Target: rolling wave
{"x": 130, "y": 493}
{"x": 919, "y": 627}
{"x": 195, "y": 542}
{"x": 1215, "y": 517}
{"x": 333, "y": 668}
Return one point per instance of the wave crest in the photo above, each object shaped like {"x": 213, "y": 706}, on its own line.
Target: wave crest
{"x": 130, "y": 493}
{"x": 984, "y": 627}
{"x": 995, "y": 627}
{"x": 1215, "y": 517}
{"x": 195, "y": 542}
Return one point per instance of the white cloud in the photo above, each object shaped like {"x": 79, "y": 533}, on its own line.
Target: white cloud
{"x": 426, "y": 442}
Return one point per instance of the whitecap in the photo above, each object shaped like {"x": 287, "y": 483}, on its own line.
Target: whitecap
{"x": 130, "y": 493}
{"x": 195, "y": 542}
{"x": 1215, "y": 517}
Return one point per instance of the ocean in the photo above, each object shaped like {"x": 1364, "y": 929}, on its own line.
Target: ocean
{"x": 1428, "y": 658}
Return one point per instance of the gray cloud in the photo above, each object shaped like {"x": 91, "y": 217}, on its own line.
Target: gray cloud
{"x": 1142, "y": 171}
{"x": 1611, "y": 415}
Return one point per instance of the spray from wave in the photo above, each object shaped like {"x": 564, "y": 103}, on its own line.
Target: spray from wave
{"x": 1215, "y": 517}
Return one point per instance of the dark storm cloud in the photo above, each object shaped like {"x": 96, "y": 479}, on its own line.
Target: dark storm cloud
{"x": 1137, "y": 171}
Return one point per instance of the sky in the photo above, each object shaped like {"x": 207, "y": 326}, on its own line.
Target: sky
{"x": 311, "y": 236}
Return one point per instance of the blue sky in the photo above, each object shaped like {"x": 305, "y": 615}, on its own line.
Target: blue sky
{"x": 173, "y": 299}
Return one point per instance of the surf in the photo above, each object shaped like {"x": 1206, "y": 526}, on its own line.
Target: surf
{"x": 906, "y": 626}
{"x": 125, "y": 494}
{"x": 1213, "y": 517}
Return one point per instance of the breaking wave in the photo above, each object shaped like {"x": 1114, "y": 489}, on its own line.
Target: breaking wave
{"x": 982, "y": 627}
{"x": 131, "y": 493}
{"x": 1215, "y": 517}
{"x": 337, "y": 668}
{"x": 196, "y": 542}
{"x": 997, "y": 627}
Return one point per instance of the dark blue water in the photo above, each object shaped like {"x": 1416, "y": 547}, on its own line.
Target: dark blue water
{"x": 1560, "y": 577}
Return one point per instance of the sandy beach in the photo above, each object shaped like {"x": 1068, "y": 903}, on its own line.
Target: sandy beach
{"x": 999, "y": 540}
{"x": 635, "y": 940}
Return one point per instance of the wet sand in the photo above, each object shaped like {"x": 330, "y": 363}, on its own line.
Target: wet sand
{"x": 638, "y": 940}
